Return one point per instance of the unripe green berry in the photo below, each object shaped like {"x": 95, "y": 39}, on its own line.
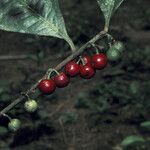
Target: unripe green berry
{"x": 31, "y": 106}
{"x": 113, "y": 54}
{"x": 14, "y": 124}
{"x": 118, "y": 46}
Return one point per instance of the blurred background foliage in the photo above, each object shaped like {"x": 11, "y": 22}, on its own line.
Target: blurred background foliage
{"x": 97, "y": 114}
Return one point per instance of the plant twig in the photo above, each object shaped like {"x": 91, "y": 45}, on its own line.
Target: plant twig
{"x": 58, "y": 67}
{"x": 14, "y": 57}
{"x": 57, "y": 110}
{"x": 24, "y": 57}
{"x": 63, "y": 130}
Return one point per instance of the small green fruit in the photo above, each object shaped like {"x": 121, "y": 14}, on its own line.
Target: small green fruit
{"x": 14, "y": 124}
{"x": 118, "y": 46}
{"x": 31, "y": 106}
{"x": 113, "y": 54}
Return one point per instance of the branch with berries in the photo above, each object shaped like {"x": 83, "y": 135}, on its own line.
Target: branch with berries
{"x": 85, "y": 66}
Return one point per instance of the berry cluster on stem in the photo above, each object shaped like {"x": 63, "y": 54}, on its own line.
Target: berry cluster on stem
{"x": 85, "y": 67}
{"x": 48, "y": 86}
{"x": 58, "y": 67}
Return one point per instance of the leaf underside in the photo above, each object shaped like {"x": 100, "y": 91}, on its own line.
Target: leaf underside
{"x": 41, "y": 17}
{"x": 108, "y": 7}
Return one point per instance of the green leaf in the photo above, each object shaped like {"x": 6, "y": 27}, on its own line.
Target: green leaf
{"x": 108, "y": 7}
{"x": 145, "y": 124}
{"x": 40, "y": 17}
{"x": 117, "y": 4}
{"x": 132, "y": 140}
{"x": 70, "y": 117}
{"x": 134, "y": 87}
{"x": 3, "y": 131}
{"x": 43, "y": 114}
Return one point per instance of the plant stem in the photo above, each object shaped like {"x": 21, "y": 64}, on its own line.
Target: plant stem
{"x": 58, "y": 67}
{"x": 71, "y": 44}
{"x": 106, "y": 28}
{"x": 15, "y": 57}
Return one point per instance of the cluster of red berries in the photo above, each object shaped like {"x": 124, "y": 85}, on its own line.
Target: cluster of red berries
{"x": 86, "y": 67}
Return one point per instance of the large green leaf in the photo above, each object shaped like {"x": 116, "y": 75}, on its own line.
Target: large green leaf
{"x": 132, "y": 140}
{"x": 117, "y": 4}
{"x": 41, "y": 17}
{"x": 145, "y": 125}
{"x": 108, "y": 7}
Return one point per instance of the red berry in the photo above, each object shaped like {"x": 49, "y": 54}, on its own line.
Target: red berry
{"x": 47, "y": 86}
{"x": 87, "y": 60}
{"x": 61, "y": 80}
{"x": 99, "y": 61}
{"x": 87, "y": 71}
{"x": 72, "y": 69}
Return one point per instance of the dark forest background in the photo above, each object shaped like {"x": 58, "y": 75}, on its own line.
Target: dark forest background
{"x": 94, "y": 114}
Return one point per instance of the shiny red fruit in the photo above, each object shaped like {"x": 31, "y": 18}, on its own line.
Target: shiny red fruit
{"x": 87, "y": 72}
{"x": 99, "y": 61}
{"x": 72, "y": 69}
{"x": 87, "y": 60}
{"x": 61, "y": 80}
{"x": 47, "y": 86}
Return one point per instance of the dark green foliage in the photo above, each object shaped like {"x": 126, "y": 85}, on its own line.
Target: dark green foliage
{"x": 70, "y": 117}
{"x": 3, "y": 131}
{"x": 145, "y": 125}
{"x": 95, "y": 103}
{"x": 115, "y": 92}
